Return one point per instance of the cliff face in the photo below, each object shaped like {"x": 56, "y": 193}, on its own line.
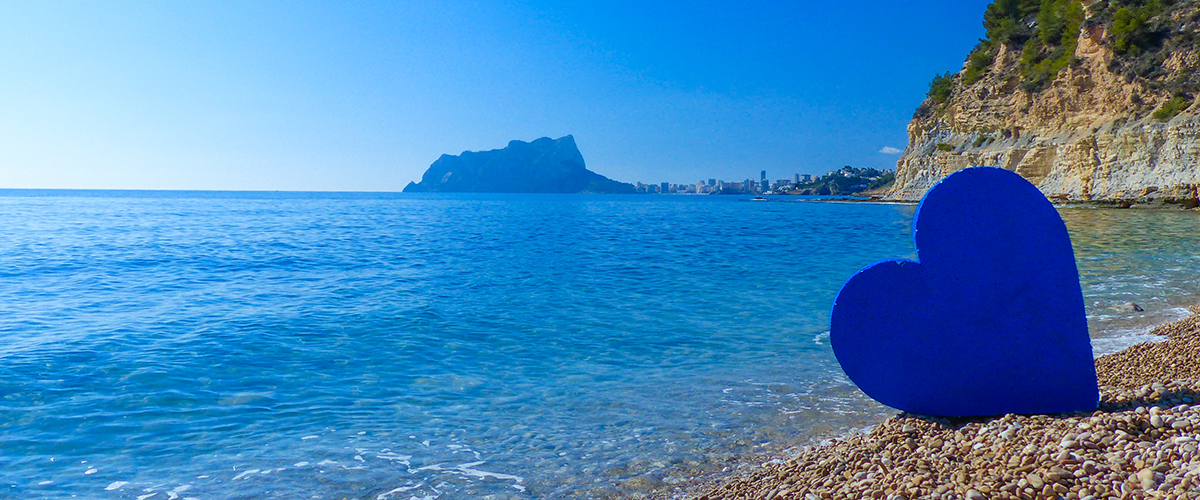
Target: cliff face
{"x": 1114, "y": 124}
{"x": 543, "y": 166}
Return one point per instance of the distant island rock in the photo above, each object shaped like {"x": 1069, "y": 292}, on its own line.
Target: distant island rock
{"x": 543, "y": 166}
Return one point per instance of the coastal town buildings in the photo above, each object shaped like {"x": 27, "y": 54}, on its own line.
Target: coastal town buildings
{"x": 747, "y": 186}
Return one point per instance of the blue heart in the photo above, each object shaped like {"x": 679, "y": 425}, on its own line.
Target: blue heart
{"x": 989, "y": 321}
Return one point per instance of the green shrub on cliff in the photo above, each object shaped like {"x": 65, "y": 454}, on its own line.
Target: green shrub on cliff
{"x": 1126, "y": 24}
{"x": 1131, "y": 29}
{"x": 940, "y": 87}
{"x": 1005, "y": 20}
{"x": 978, "y": 63}
{"x": 942, "y": 146}
{"x": 1056, "y": 18}
{"x": 1147, "y": 38}
{"x": 1043, "y": 57}
{"x": 1143, "y": 35}
{"x": 1171, "y": 108}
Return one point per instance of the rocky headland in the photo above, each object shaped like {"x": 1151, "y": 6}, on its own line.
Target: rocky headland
{"x": 1092, "y": 101}
{"x": 846, "y": 181}
{"x": 543, "y": 166}
{"x": 1140, "y": 444}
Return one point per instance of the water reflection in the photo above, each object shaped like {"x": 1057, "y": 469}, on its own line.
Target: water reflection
{"x": 1149, "y": 257}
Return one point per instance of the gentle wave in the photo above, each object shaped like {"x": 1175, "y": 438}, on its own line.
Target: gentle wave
{"x": 455, "y": 346}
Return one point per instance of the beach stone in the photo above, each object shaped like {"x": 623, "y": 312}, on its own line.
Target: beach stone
{"x": 1147, "y": 463}
{"x": 1147, "y": 479}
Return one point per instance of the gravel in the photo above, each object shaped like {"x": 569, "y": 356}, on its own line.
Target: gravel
{"x": 1140, "y": 444}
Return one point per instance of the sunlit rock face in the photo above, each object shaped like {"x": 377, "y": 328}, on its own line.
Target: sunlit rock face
{"x": 543, "y": 166}
{"x": 1091, "y": 134}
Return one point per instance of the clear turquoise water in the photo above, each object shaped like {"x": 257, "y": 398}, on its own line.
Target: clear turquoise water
{"x": 384, "y": 346}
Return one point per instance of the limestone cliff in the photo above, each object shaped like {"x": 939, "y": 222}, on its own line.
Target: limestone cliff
{"x": 1115, "y": 120}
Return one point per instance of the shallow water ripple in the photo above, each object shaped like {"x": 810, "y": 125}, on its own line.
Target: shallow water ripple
{"x": 261, "y": 345}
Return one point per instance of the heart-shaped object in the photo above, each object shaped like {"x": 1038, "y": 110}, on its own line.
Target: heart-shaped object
{"x": 989, "y": 321}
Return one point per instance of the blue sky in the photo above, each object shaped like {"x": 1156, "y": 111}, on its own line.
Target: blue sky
{"x": 363, "y": 96}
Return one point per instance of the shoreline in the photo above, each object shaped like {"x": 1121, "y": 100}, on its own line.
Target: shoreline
{"x": 1141, "y": 443}
{"x": 1101, "y": 204}
{"x": 1068, "y": 204}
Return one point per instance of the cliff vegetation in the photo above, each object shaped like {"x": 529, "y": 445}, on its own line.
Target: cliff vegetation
{"x": 1089, "y": 100}
{"x": 846, "y": 181}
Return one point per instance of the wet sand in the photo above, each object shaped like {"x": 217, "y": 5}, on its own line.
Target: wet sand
{"x": 1140, "y": 444}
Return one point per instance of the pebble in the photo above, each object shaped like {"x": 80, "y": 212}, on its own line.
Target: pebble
{"x": 1140, "y": 444}
{"x": 1145, "y": 474}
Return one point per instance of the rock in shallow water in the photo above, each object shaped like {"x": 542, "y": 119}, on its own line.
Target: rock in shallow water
{"x": 1129, "y": 307}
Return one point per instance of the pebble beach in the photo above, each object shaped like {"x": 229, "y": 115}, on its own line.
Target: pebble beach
{"x": 1141, "y": 443}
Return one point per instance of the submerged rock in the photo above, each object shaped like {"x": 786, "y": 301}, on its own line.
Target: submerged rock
{"x": 1129, "y": 307}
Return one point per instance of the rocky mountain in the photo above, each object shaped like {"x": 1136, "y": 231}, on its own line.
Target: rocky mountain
{"x": 1089, "y": 100}
{"x": 543, "y": 166}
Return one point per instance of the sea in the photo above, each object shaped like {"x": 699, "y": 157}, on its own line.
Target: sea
{"x": 250, "y": 345}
